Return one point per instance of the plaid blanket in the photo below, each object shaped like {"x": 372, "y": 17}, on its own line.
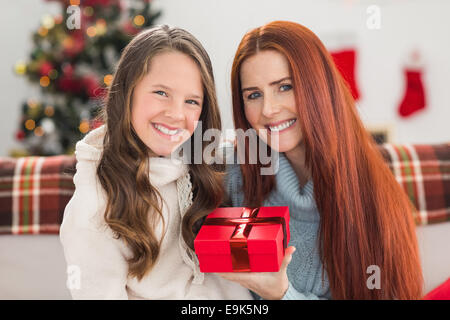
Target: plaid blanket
{"x": 424, "y": 173}
{"x": 35, "y": 190}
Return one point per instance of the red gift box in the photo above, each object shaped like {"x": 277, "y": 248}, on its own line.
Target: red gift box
{"x": 243, "y": 239}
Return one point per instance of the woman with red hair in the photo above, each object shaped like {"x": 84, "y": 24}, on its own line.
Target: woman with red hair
{"x": 351, "y": 223}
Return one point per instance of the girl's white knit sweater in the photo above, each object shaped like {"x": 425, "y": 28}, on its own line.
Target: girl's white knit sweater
{"x": 97, "y": 262}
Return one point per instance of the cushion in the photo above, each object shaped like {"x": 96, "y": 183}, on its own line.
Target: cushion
{"x": 423, "y": 171}
{"x": 442, "y": 292}
{"x": 34, "y": 192}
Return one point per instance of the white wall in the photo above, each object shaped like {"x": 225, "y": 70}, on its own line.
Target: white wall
{"x": 219, "y": 25}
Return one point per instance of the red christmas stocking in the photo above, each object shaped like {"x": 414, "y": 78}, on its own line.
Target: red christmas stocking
{"x": 345, "y": 61}
{"x": 414, "y": 99}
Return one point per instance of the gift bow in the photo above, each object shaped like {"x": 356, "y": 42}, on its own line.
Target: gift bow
{"x": 238, "y": 240}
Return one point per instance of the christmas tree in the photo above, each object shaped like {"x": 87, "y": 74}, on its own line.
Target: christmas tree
{"x": 72, "y": 61}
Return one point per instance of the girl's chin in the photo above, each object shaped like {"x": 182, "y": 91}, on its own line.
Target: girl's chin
{"x": 159, "y": 151}
{"x": 164, "y": 148}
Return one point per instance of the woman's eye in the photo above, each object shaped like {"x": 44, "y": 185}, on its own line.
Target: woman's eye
{"x": 161, "y": 93}
{"x": 194, "y": 102}
{"x": 253, "y": 95}
{"x": 285, "y": 87}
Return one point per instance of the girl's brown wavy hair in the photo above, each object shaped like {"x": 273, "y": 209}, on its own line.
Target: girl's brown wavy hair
{"x": 366, "y": 218}
{"x": 133, "y": 205}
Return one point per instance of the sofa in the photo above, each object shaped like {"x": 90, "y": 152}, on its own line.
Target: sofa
{"x": 35, "y": 190}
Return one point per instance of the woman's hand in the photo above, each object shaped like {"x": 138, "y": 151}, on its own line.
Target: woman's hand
{"x": 268, "y": 285}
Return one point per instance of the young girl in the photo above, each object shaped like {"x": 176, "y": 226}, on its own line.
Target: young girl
{"x": 351, "y": 223}
{"x": 127, "y": 232}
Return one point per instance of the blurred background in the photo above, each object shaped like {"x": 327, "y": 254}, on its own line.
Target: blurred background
{"x": 54, "y": 76}
{"x": 58, "y": 58}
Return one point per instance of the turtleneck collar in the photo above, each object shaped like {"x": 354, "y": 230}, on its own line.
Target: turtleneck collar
{"x": 164, "y": 170}
{"x": 288, "y": 190}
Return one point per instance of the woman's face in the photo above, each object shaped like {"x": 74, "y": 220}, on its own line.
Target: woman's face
{"x": 269, "y": 101}
{"x": 167, "y": 102}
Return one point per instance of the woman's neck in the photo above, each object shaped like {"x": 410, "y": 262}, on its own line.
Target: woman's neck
{"x": 296, "y": 158}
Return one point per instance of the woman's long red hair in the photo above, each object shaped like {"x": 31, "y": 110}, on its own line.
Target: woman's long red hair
{"x": 366, "y": 218}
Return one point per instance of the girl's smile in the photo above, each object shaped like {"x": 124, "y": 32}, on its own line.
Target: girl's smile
{"x": 166, "y": 131}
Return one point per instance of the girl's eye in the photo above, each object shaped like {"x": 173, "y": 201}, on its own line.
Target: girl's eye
{"x": 194, "y": 102}
{"x": 285, "y": 87}
{"x": 253, "y": 95}
{"x": 161, "y": 93}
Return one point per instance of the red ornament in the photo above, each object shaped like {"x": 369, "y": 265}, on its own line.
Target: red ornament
{"x": 92, "y": 87}
{"x": 98, "y": 3}
{"x": 130, "y": 29}
{"x": 67, "y": 69}
{"x": 45, "y": 68}
{"x": 69, "y": 84}
{"x": 74, "y": 44}
{"x": 20, "y": 135}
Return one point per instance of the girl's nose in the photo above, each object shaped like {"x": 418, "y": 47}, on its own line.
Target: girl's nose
{"x": 176, "y": 111}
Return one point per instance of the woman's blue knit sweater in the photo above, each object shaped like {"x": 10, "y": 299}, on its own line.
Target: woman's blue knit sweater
{"x": 305, "y": 269}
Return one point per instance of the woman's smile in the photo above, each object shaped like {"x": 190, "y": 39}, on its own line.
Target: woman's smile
{"x": 280, "y": 126}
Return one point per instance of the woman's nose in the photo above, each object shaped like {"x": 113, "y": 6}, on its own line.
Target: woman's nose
{"x": 270, "y": 107}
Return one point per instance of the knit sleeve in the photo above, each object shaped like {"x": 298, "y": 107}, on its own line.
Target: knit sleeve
{"x": 293, "y": 294}
{"x": 96, "y": 261}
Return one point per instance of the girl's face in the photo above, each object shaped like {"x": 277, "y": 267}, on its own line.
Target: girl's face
{"x": 269, "y": 101}
{"x": 167, "y": 102}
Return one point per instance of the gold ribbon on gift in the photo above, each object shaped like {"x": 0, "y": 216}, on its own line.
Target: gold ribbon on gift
{"x": 239, "y": 237}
